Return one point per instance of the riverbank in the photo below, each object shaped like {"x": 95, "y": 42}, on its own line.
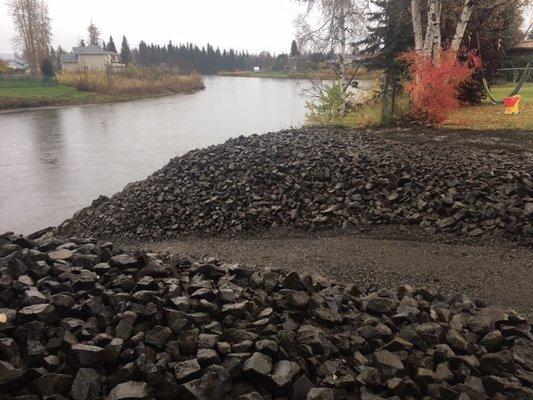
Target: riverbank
{"x": 76, "y": 99}
{"x": 481, "y": 117}
{"x": 22, "y": 96}
{"x": 323, "y": 74}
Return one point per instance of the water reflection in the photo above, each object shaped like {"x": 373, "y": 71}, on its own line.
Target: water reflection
{"x": 55, "y": 161}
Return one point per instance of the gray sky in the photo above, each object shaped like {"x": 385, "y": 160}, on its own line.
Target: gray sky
{"x": 252, "y": 25}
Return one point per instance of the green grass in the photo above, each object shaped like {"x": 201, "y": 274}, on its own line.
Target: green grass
{"x": 25, "y": 91}
{"x": 488, "y": 116}
{"x": 18, "y": 95}
{"x": 22, "y": 95}
{"x": 501, "y": 91}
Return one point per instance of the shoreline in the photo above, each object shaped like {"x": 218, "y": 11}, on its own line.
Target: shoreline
{"x": 96, "y": 98}
{"x": 295, "y": 75}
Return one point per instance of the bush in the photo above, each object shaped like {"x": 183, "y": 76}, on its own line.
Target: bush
{"x": 366, "y": 113}
{"x": 434, "y": 88}
{"x": 132, "y": 81}
{"x": 47, "y": 68}
{"x": 327, "y": 109}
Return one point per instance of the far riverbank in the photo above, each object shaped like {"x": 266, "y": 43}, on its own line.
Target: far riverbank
{"x": 322, "y": 74}
{"x": 90, "y": 88}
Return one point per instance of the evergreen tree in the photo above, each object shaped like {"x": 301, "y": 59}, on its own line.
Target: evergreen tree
{"x": 125, "y": 53}
{"x": 82, "y": 43}
{"x": 111, "y": 45}
{"x": 391, "y": 34}
{"x": 104, "y": 47}
{"x": 294, "y": 49}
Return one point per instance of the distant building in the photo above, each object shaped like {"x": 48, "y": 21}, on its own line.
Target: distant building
{"x": 300, "y": 63}
{"x": 90, "y": 58}
{"x": 257, "y": 69}
{"x": 14, "y": 62}
{"x": 524, "y": 49}
{"x": 520, "y": 55}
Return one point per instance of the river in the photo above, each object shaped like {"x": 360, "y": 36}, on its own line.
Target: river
{"x": 55, "y": 161}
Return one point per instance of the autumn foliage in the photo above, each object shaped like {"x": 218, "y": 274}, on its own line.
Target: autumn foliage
{"x": 434, "y": 86}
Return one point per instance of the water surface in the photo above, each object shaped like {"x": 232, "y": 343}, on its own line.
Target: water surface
{"x": 55, "y": 161}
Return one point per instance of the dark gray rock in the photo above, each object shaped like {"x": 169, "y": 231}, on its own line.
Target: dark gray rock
{"x": 258, "y": 364}
{"x": 130, "y": 390}
{"x": 87, "y": 385}
{"x": 87, "y": 355}
{"x": 284, "y": 373}
{"x": 187, "y": 370}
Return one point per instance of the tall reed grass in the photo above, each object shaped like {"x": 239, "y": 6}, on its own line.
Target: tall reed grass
{"x": 137, "y": 81}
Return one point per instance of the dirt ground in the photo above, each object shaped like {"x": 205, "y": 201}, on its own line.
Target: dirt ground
{"x": 500, "y": 273}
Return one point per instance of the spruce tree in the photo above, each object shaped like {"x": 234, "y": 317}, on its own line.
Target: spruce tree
{"x": 391, "y": 33}
{"x": 111, "y": 45}
{"x": 125, "y": 53}
{"x": 82, "y": 43}
{"x": 294, "y": 49}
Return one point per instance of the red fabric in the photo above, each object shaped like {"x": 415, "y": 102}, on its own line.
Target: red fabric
{"x": 510, "y": 101}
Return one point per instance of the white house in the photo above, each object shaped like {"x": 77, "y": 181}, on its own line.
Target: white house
{"x": 14, "y": 62}
{"x": 90, "y": 58}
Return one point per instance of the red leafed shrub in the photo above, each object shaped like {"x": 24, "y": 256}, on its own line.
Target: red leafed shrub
{"x": 434, "y": 87}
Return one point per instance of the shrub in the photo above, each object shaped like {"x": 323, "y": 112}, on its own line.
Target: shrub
{"x": 132, "y": 81}
{"x": 327, "y": 109}
{"x": 47, "y": 68}
{"x": 434, "y": 87}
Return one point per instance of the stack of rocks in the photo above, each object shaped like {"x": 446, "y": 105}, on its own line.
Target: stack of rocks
{"x": 315, "y": 179}
{"x": 83, "y": 320}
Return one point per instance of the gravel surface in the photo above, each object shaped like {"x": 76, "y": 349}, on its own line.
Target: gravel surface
{"x": 499, "y": 272}
{"x": 84, "y": 321}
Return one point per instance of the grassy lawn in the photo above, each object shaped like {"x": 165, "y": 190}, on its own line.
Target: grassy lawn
{"x": 31, "y": 91}
{"x": 21, "y": 95}
{"x": 487, "y": 116}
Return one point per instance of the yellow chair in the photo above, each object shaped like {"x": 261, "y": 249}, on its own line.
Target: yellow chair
{"x": 511, "y": 104}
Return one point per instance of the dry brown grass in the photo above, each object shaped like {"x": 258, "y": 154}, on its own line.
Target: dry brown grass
{"x": 137, "y": 82}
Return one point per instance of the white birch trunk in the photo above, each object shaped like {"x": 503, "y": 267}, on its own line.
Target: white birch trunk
{"x": 462, "y": 24}
{"x": 417, "y": 25}
{"x": 432, "y": 42}
{"x": 342, "y": 55}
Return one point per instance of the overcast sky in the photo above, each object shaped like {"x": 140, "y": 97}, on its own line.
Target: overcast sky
{"x": 253, "y": 25}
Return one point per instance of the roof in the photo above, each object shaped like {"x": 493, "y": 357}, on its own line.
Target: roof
{"x": 90, "y": 49}
{"x": 525, "y": 45}
{"x": 68, "y": 57}
{"x": 7, "y": 57}
{"x": 87, "y": 50}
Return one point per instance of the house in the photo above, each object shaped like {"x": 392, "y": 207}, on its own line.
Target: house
{"x": 14, "y": 62}
{"x": 520, "y": 55}
{"x": 524, "y": 49}
{"x": 90, "y": 58}
{"x": 300, "y": 63}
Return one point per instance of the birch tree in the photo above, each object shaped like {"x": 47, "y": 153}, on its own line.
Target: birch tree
{"x": 94, "y": 34}
{"x": 431, "y": 45}
{"x": 32, "y": 25}
{"x": 334, "y": 26}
